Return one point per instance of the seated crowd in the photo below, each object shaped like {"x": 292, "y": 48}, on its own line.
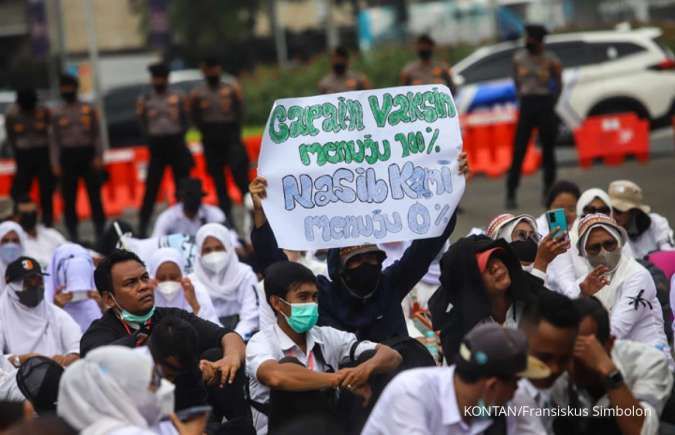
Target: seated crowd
{"x": 534, "y": 329}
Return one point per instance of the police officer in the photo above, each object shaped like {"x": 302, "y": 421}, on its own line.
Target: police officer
{"x": 27, "y": 125}
{"x": 342, "y": 79}
{"x": 163, "y": 116}
{"x": 537, "y": 74}
{"x": 76, "y": 152}
{"x": 425, "y": 70}
{"x": 217, "y": 109}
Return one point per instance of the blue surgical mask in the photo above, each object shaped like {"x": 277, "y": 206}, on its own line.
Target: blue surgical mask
{"x": 303, "y": 316}
{"x": 134, "y": 318}
{"x": 10, "y": 252}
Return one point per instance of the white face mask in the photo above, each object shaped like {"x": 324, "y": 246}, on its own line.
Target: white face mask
{"x": 169, "y": 289}
{"x": 215, "y": 261}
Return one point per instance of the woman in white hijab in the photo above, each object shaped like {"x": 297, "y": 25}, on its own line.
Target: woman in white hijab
{"x": 174, "y": 290}
{"x": 115, "y": 391}
{"x": 231, "y": 284}
{"x": 70, "y": 284}
{"x": 12, "y": 243}
{"x": 568, "y": 270}
{"x": 624, "y": 287}
{"x": 31, "y": 325}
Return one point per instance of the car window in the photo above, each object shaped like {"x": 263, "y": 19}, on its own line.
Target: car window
{"x": 571, "y": 54}
{"x": 493, "y": 67}
{"x": 608, "y": 51}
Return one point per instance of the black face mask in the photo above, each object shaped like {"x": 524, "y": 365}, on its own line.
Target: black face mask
{"x": 213, "y": 81}
{"x": 339, "y": 68}
{"x": 27, "y": 104}
{"x": 191, "y": 205}
{"x": 363, "y": 280}
{"x": 69, "y": 97}
{"x": 525, "y": 250}
{"x": 160, "y": 89}
{"x": 31, "y": 297}
{"x": 28, "y": 220}
{"x": 424, "y": 54}
{"x": 532, "y": 47}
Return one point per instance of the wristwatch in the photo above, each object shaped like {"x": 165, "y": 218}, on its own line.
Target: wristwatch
{"x": 614, "y": 380}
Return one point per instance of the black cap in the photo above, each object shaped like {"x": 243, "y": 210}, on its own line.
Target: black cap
{"x": 68, "y": 80}
{"x": 21, "y": 268}
{"x": 190, "y": 187}
{"x": 536, "y": 31}
{"x": 38, "y": 379}
{"x": 491, "y": 350}
{"x": 159, "y": 69}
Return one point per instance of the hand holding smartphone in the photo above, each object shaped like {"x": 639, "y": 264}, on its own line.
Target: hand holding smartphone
{"x": 557, "y": 223}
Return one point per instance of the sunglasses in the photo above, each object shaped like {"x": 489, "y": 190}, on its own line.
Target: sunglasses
{"x": 523, "y": 235}
{"x": 602, "y": 210}
{"x": 609, "y": 246}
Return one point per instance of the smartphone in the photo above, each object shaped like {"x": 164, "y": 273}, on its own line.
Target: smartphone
{"x": 557, "y": 222}
{"x": 79, "y": 296}
{"x": 190, "y": 413}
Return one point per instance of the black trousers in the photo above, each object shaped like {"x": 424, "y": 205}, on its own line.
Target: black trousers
{"x": 34, "y": 164}
{"x": 165, "y": 151}
{"x": 77, "y": 163}
{"x": 535, "y": 112}
{"x": 223, "y": 147}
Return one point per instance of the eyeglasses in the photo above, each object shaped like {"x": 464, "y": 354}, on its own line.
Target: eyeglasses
{"x": 523, "y": 235}
{"x": 608, "y": 245}
{"x": 593, "y": 210}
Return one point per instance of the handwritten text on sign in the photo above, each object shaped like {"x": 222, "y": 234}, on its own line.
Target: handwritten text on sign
{"x": 361, "y": 167}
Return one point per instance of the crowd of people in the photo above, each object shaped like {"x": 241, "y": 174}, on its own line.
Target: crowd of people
{"x": 205, "y": 331}
{"x": 521, "y": 327}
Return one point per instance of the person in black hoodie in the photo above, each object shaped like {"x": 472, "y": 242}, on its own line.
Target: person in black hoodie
{"x": 481, "y": 280}
{"x": 358, "y": 296}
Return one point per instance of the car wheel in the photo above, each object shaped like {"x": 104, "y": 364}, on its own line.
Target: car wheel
{"x": 620, "y": 105}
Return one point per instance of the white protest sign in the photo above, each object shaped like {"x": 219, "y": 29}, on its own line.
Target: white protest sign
{"x": 361, "y": 167}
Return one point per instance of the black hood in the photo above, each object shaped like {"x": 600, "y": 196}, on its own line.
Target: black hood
{"x": 462, "y": 286}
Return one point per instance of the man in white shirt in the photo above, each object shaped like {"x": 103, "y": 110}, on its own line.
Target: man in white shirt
{"x": 294, "y": 365}
{"x": 41, "y": 241}
{"x": 647, "y": 232}
{"x": 189, "y": 214}
{"x": 459, "y": 399}
{"x": 551, "y": 325}
{"x": 621, "y": 386}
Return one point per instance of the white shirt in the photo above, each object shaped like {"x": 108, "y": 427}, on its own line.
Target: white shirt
{"x": 646, "y": 374}
{"x": 658, "y": 237}
{"x": 529, "y": 397}
{"x": 421, "y": 402}
{"x": 272, "y": 343}
{"x": 637, "y": 314}
{"x": 206, "y": 309}
{"x": 173, "y": 220}
{"x": 9, "y": 390}
{"x": 42, "y": 247}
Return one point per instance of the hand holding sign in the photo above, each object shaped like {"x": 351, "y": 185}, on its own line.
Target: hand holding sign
{"x": 360, "y": 167}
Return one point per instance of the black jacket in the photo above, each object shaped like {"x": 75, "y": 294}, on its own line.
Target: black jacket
{"x": 379, "y": 317}
{"x": 109, "y": 329}
{"x": 462, "y": 286}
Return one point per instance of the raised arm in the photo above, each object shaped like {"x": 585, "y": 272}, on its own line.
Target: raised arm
{"x": 264, "y": 243}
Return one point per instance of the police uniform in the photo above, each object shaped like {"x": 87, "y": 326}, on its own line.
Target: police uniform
{"x": 349, "y": 81}
{"x": 75, "y": 144}
{"x": 163, "y": 117}
{"x": 427, "y": 73}
{"x": 534, "y": 73}
{"x": 217, "y": 112}
{"x": 28, "y": 133}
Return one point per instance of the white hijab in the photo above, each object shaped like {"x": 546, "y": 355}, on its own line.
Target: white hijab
{"x": 26, "y": 329}
{"x": 222, "y": 285}
{"x": 5, "y": 228}
{"x": 103, "y": 391}
{"x": 506, "y": 231}
{"x": 73, "y": 266}
{"x": 581, "y": 267}
{"x": 159, "y": 257}
{"x": 627, "y": 265}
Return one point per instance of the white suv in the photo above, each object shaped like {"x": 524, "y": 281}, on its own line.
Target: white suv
{"x": 604, "y": 72}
